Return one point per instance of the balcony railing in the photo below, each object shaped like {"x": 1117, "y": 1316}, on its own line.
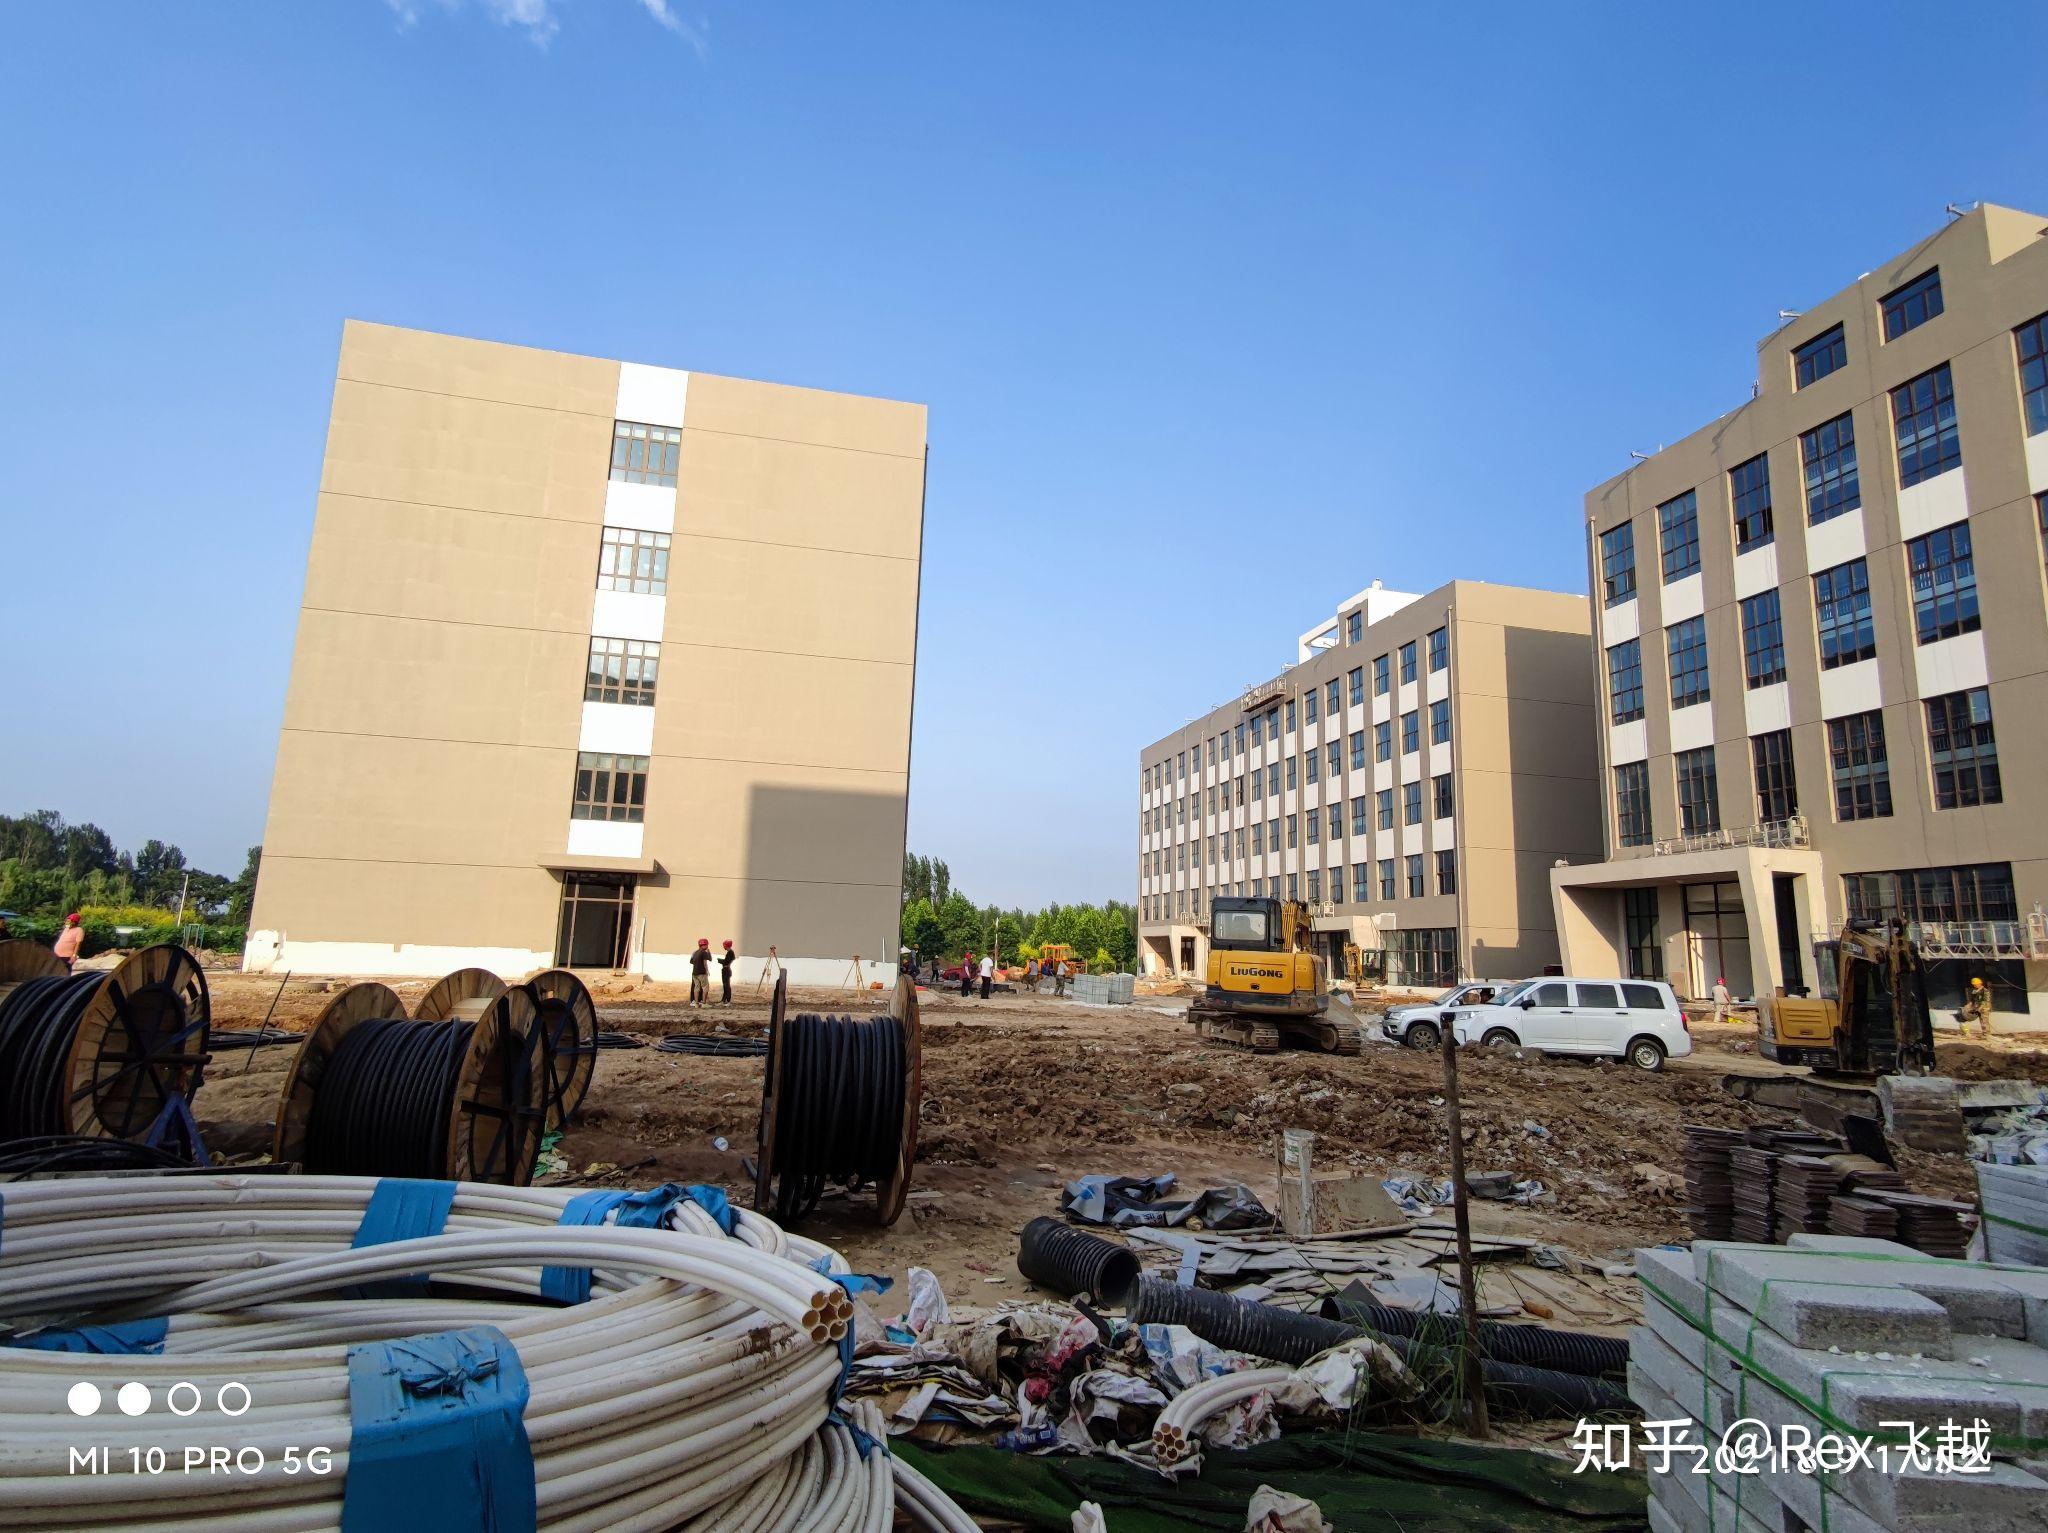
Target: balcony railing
{"x": 2025, "y": 938}
{"x": 1772, "y": 833}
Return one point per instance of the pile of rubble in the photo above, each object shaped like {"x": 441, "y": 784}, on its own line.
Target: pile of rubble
{"x": 1919, "y": 1387}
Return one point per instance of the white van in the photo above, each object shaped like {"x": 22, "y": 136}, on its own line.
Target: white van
{"x": 1634, "y": 1019}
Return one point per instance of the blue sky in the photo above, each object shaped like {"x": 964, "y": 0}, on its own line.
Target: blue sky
{"x": 1220, "y": 313}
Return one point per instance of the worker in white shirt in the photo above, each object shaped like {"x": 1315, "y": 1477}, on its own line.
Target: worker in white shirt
{"x": 988, "y": 975}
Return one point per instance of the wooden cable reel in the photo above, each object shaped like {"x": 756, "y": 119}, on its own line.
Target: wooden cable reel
{"x": 22, "y": 959}
{"x": 497, "y": 1101}
{"x": 567, "y": 1016}
{"x": 893, "y": 1188}
{"x": 139, "y": 1050}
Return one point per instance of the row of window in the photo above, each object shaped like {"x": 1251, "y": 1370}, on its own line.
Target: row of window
{"x": 1266, "y": 783}
{"x": 1926, "y": 442}
{"x": 1307, "y": 826}
{"x": 1962, "y": 750}
{"x": 1394, "y": 879}
{"x": 1311, "y": 765}
{"x": 1332, "y": 696}
{"x": 1904, "y": 308}
{"x": 1943, "y": 577}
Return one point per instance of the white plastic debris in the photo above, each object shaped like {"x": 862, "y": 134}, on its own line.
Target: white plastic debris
{"x": 1279, "y": 1511}
{"x": 1087, "y": 1518}
{"x": 928, "y": 1305}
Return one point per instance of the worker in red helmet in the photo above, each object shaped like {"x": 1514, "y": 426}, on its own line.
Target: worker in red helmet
{"x": 69, "y": 940}
{"x": 725, "y": 972}
{"x": 700, "y": 973}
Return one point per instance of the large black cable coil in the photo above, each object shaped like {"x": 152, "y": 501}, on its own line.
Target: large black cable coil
{"x": 76, "y": 1152}
{"x": 713, "y": 1045}
{"x": 387, "y": 1099}
{"x": 1532, "y": 1346}
{"x": 1285, "y": 1336}
{"x": 38, "y": 1022}
{"x": 1070, "y": 1261}
{"x": 839, "y": 1108}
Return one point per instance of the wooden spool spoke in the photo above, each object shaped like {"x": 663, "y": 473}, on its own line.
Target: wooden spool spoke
{"x": 771, "y": 1088}
{"x": 568, "y": 1018}
{"x": 894, "y": 1191}
{"x": 500, "y": 1110}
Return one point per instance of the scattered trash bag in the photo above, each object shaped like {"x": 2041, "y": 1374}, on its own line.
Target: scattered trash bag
{"x": 1126, "y": 1201}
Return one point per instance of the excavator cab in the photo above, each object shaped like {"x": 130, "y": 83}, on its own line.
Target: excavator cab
{"x": 1266, "y": 985}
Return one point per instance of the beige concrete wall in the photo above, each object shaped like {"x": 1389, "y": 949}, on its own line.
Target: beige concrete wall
{"x": 426, "y": 766}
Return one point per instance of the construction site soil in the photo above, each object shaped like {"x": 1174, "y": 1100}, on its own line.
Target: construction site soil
{"x": 1023, "y": 1092}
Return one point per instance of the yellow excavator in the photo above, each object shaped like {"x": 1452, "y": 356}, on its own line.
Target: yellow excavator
{"x": 1266, "y": 986}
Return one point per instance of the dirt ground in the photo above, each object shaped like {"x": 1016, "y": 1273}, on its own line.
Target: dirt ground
{"x": 1023, "y": 1092}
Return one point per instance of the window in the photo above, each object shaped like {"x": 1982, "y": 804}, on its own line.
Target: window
{"x": 610, "y": 787}
{"x": 1862, "y": 774}
{"x": 1386, "y": 878}
{"x": 1415, "y": 885}
{"x": 1618, "y": 564}
{"x": 1312, "y": 765}
{"x": 643, "y": 454}
{"x": 1357, "y": 679}
{"x": 1699, "y": 805}
{"x": 1291, "y": 770}
{"x": 621, "y": 671}
{"x": 1411, "y": 732}
{"x": 1777, "y": 791}
{"x": 1258, "y": 839}
{"x": 1315, "y": 885}
{"x": 1446, "y": 872}
{"x": 1292, "y": 833}
{"x": 633, "y": 561}
{"x": 1330, "y": 753}
{"x": 1944, "y": 584}
{"x": 1407, "y": 662}
{"x": 1678, "y": 534}
{"x": 1632, "y": 803}
{"x": 1686, "y": 645}
{"x": 1440, "y": 796}
{"x": 2031, "y": 342}
{"x": 1240, "y": 843}
{"x": 1763, "y": 641}
{"x": 1749, "y": 489}
{"x": 1382, "y": 672}
{"x": 1411, "y": 803}
{"x": 1308, "y": 705}
{"x": 1223, "y": 744}
{"x": 1828, "y": 455}
{"x": 1439, "y": 649}
{"x": 1358, "y": 747}
{"x": 1273, "y": 778}
{"x": 1382, "y": 742}
{"x": 1440, "y": 722}
{"x": 1841, "y": 603}
{"x": 1645, "y": 947}
{"x": 1625, "y": 681}
{"x": 1354, "y": 627}
{"x": 1980, "y": 891}
{"x": 1331, "y": 699}
{"x": 1384, "y": 805}
{"x": 1273, "y": 722}
{"x": 1924, "y": 420}
{"x": 1357, "y": 815}
{"x": 1240, "y": 791}
{"x": 1290, "y": 715}
{"x": 1314, "y": 827}
{"x": 1336, "y": 886}
{"x": 1907, "y": 308}
{"x": 1422, "y": 957}
{"x": 1240, "y": 739}
{"x": 1258, "y": 784}
{"x": 1818, "y": 357}
{"x": 1183, "y": 758}
{"x": 1258, "y": 728}
{"x": 1361, "y": 882}
{"x": 1337, "y": 818}
{"x": 1963, "y": 750}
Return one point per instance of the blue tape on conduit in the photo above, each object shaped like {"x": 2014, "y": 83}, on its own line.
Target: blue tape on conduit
{"x": 129, "y": 1338}
{"x": 402, "y": 1209}
{"x": 437, "y": 1436}
{"x": 647, "y": 1210}
{"x": 855, "y": 1284}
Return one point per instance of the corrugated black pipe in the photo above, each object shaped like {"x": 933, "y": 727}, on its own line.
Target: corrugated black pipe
{"x": 1531, "y": 1346}
{"x": 1071, "y": 1261}
{"x": 1284, "y": 1336}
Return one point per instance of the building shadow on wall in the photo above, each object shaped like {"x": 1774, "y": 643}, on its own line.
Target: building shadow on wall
{"x": 824, "y": 871}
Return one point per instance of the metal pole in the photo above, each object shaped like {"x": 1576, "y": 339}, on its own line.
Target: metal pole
{"x": 1461, "y": 1210}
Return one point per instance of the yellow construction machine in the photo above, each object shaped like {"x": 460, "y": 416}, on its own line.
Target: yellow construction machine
{"x": 1266, "y": 985}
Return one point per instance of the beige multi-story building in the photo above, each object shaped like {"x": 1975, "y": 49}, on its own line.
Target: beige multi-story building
{"x": 1411, "y": 778}
{"x": 1823, "y": 630}
{"x": 595, "y": 659}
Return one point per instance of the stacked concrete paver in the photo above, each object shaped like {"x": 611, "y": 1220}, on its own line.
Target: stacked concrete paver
{"x": 1869, "y": 1332}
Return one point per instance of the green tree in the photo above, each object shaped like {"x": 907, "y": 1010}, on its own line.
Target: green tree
{"x": 921, "y": 929}
{"x": 242, "y": 893}
{"x": 960, "y": 924}
{"x": 87, "y": 850}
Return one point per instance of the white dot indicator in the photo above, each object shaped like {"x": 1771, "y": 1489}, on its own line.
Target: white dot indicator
{"x": 133, "y": 1398}
{"x": 83, "y": 1399}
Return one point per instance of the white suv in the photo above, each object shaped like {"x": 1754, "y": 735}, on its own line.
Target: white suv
{"x": 1634, "y": 1019}
{"x": 1417, "y": 1026}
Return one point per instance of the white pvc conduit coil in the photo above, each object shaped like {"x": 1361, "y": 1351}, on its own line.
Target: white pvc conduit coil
{"x": 693, "y": 1390}
{"x": 1177, "y": 1433}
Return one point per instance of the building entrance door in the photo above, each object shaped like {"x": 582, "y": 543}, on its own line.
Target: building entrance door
{"x": 597, "y": 921}
{"x": 1791, "y": 951}
{"x": 1187, "y": 955}
{"x": 1717, "y": 939}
